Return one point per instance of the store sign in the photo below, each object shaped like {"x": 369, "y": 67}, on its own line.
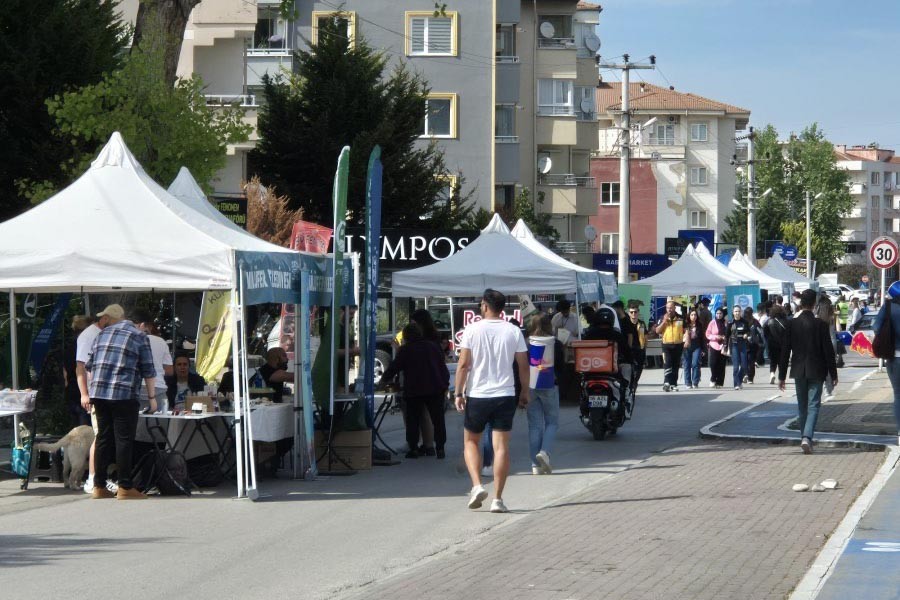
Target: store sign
{"x": 675, "y": 247}
{"x": 410, "y": 248}
{"x": 234, "y": 209}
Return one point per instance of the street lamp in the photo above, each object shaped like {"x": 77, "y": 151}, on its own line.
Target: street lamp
{"x": 809, "y": 272}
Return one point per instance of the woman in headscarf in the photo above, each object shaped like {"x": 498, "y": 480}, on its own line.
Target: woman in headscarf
{"x": 715, "y": 338}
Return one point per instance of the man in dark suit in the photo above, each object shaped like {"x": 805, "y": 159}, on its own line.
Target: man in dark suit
{"x": 807, "y": 343}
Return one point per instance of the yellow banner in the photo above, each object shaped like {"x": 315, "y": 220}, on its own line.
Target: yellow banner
{"x": 214, "y": 334}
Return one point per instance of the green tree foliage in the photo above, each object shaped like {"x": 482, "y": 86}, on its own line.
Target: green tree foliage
{"x": 340, "y": 96}
{"x": 165, "y": 127}
{"x": 803, "y": 163}
{"x": 46, "y": 47}
{"x": 537, "y": 220}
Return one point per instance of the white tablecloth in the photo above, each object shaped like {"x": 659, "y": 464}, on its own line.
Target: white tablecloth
{"x": 272, "y": 422}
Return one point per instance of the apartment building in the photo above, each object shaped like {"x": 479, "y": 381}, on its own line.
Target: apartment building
{"x": 511, "y": 83}
{"x": 682, "y": 180}
{"x": 874, "y": 181}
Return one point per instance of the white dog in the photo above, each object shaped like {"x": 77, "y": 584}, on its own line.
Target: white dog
{"x": 76, "y": 447}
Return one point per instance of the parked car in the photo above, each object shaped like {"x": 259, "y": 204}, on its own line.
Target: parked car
{"x": 833, "y": 292}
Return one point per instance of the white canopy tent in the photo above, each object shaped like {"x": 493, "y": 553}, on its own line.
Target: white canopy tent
{"x": 186, "y": 189}
{"x": 713, "y": 263}
{"x": 776, "y": 267}
{"x": 741, "y": 265}
{"x": 495, "y": 259}
{"x": 691, "y": 274}
{"x": 115, "y": 229}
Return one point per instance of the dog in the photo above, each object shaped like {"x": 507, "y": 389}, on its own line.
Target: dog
{"x": 76, "y": 447}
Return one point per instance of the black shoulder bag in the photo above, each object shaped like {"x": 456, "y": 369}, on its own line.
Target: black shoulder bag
{"x": 883, "y": 344}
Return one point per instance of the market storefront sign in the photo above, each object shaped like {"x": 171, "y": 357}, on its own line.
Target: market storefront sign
{"x": 411, "y": 248}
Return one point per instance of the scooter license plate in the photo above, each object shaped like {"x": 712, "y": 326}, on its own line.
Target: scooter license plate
{"x": 597, "y": 401}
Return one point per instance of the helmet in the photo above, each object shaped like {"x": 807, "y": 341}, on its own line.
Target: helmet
{"x": 894, "y": 291}
{"x": 604, "y": 316}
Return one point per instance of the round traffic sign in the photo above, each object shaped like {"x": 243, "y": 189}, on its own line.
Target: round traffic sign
{"x": 884, "y": 252}
{"x": 778, "y": 249}
{"x": 790, "y": 253}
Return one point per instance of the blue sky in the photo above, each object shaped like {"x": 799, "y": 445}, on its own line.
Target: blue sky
{"x": 790, "y": 62}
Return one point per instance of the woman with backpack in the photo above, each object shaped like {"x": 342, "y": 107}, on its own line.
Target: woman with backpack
{"x": 775, "y": 330}
{"x": 754, "y": 343}
{"x": 737, "y": 336}
{"x": 893, "y": 364}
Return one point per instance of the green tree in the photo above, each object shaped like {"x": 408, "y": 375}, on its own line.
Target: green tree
{"x": 341, "y": 96}
{"x": 537, "y": 220}
{"x": 165, "y": 127}
{"x": 170, "y": 17}
{"x": 46, "y": 47}
{"x": 803, "y": 163}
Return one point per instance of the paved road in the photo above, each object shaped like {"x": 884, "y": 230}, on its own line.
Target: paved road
{"x": 327, "y": 538}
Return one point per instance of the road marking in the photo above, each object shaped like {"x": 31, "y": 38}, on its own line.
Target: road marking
{"x": 881, "y": 547}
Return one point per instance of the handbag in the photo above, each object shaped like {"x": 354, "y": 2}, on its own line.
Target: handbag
{"x": 883, "y": 344}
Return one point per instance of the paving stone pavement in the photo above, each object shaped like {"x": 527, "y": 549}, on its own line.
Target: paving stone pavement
{"x": 709, "y": 520}
{"x": 868, "y": 409}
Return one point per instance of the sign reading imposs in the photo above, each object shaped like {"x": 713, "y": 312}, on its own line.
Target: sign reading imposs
{"x": 411, "y": 248}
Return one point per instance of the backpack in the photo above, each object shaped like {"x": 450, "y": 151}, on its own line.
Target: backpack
{"x": 172, "y": 475}
{"x": 883, "y": 344}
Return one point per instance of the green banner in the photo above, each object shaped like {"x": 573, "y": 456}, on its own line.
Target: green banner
{"x": 636, "y": 294}
{"x": 340, "y": 241}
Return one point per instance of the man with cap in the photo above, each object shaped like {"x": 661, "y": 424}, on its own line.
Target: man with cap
{"x": 807, "y": 344}
{"x": 120, "y": 359}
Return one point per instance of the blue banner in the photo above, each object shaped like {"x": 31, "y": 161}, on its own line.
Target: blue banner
{"x": 608, "y": 288}
{"x": 745, "y": 296}
{"x": 275, "y": 278}
{"x": 370, "y": 307}
{"x": 588, "y": 286}
{"x": 41, "y": 343}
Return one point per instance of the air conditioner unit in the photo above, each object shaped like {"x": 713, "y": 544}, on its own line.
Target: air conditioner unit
{"x": 673, "y": 119}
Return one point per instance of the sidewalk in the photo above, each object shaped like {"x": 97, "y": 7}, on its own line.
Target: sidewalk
{"x": 868, "y": 410}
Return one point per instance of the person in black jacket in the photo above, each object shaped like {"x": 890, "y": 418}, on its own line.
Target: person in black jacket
{"x": 775, "y": 330}
{"x": 807, "y": 346}
{"x": 183, "y": 382}
{"x": 425, "y": 383}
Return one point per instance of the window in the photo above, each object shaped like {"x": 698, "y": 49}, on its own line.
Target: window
{"x": 699, "y": 219}
{"x": 427, "y": 35}
{"x": 699, "y": 176}
{"x": 505, "y": 123}
{"x": 888, "y": 226}
{"x": 506, "y": 43}
{"x": 555, "y": 97}
{"x": 876, "y": 178}
{"x": 874, "y": 224}
{"x": 555, "y": 31}
{"x": 440, "y": 116}
{"x": 448, "y": 192}
{"x": 663, "y": 135}
{"x": 876, "y": 202}
{"x": 585, "y": 110}
{"x": 698, "y": 132}
{"x": 609, "y": 193}
{"x": 504, "y": 196}
{"x": 345, "y": 21}
{"x": 270, "y": 32}
{"x": 609, "y": 243}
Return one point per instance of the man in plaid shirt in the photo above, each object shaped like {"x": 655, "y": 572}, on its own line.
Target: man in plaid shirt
{"x": 120, "y": 358}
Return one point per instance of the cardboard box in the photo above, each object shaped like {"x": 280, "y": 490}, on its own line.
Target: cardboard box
{"x": 263, "y": 451}
{"x": 353, "y": 447}
{"x": 595, "y": 356}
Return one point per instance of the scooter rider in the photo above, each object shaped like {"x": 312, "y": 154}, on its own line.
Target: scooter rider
{"x": 602, "y": 329}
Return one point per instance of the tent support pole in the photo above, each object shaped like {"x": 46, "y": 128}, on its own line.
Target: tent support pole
{"x": 14, "y": 356}
{"x": 238, "y": 374}
{"x": 452, "y": 326}
{"x": 252, "y": 491}
{"x": 298, "y": 451}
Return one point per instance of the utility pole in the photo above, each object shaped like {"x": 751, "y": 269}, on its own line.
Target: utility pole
{"x": 624, "y": 164}
{"x": 751, "y": 208}
{"x": 808, "y": 241}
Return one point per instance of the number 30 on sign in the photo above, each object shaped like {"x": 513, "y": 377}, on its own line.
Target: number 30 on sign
{"x": 884, "y": 253}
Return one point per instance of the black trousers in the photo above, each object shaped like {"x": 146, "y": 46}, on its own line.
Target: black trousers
{"x": 116, "y": 424}
{"x": 716, "y": 366}
{"x": 640, "y": 359}
{"x": 434, "y": 404}
{"x": 671, "y": 354}
{"x": 752, "y": 352}
{"x": 774, "y": 357}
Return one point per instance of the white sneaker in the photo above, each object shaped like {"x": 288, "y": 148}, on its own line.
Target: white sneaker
{"x": 537, "y": 471}
{"x": 543, "y": 461}
{"x": 712, "y": 384}
{"x": 674, "y": 388}
{"x": 746, "y": 379}
{"x": 487, "y": 471}
{"x": 112, "y": 486}
{"x": 477, "y": 496}
{"x": 497, "y": 506}
{"x": 806, "y": 446}
{"x": 665, "y": 387}
{"x": 89, "y": 485}
{"x": 772, "y": 378}
{"x": 737, "y": 387}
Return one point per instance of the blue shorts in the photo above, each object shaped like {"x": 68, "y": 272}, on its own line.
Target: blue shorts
{"x": 499, "y": 412}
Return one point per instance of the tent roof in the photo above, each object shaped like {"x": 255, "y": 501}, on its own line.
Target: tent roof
{"x": 776, "y": 267}
{"x": 495, "y": 259}
{"x": 114, "y": 228}
{"x": 741, "y": 265}
{"x": 691, "y": 274}
{"x": 524, "y": 235}
{"x": 186, "y": 189}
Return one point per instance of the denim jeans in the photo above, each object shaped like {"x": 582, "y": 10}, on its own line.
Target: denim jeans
{"x": 691, "y": 365}
{"x": 739, "y": 362}
{"x": 893, "y": 371}
{"x": 116, "y": 424}
{"x": 809, "y": 397}
{"x": 543, "y": 421}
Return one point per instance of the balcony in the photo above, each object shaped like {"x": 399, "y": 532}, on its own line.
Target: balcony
{"x": 573, "y": 247}
{"x": 566, "y": 179}
{"x": 558, "y": 63}
{"x": 506, "y": 158}
{"x": 857, "y": 189}
{"x": 563, "y": 43}
{"x": 271, "y": 61}
{"x": 243, "y": 100}
{"x": 569, "y": 200}
{"x": 557, "y": 130}
{"x": 507, "y": 75}
{"x": 857, "y": 213}
{"x": 586, "y": 134}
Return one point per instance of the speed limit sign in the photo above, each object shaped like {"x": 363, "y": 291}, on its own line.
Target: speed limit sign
{"x": 884, "y": 253}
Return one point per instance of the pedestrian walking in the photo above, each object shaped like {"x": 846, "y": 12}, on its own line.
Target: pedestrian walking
{"x": 544, "y": 351}
{"x": 737, "y": 336}
{"x": 824, "y": 310}
{"x": 855, "y": 315}
{"x": 671, "y": 331}
{"x": 694, "y": 346}
{"x": 755, "y": 344}
{"x": 485, "y": 392}
{"x": 808, "y": 348}
{"x": 893, "y": 364}
{"x": 717, "y": 347}
{"x": 121, "y": 358}
{"x": 639, "y": 349}
{"x": 775, "y": 330}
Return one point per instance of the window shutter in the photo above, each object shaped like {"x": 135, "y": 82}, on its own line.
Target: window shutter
{"x": 417, "y": 35}
{"x": 440, "y": 35}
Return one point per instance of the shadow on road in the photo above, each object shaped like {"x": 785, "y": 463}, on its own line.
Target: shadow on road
{"x": 32, "y": 550}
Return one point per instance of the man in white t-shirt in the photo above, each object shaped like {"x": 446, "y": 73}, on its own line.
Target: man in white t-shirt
{"x": 162, "y": 359}
{"x": 84, "y": 345}
{"x": 485, "y": 391}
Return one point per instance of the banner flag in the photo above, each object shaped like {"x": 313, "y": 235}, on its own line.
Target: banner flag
{"x": 310, "y": 237}
{"x": 744, "y": 295}
{"x": 213, "y": 333}
{"x": 40, "y": 346}
{"x": 637, "y": 294}
{"x": 340, "y": 241}
{"x": 370, "y": 303}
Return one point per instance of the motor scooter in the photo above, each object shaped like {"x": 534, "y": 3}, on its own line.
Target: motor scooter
{"x": 607, "y": 388}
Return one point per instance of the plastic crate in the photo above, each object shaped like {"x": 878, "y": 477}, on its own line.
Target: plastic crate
{"x": 596, "y": 356}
